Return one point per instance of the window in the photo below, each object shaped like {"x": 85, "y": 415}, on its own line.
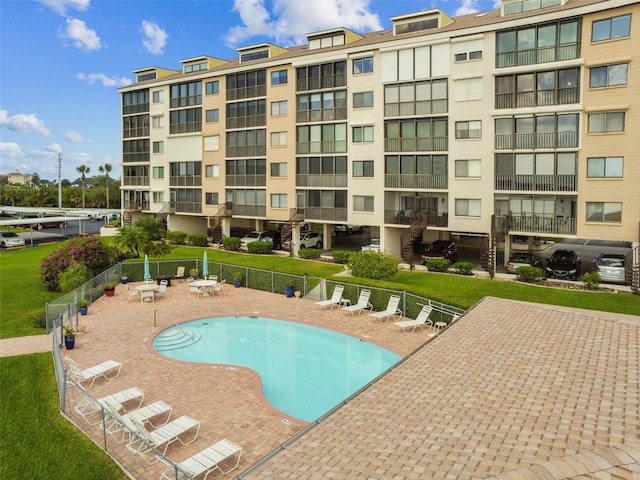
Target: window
{"x": 553, "y": 87}
{"x": 363, "y": 100}
{"x": 363, "y": 134}
{"x": 327, "y": 75}
{"x": 468, "y": 168}
{"x": 211, "y": 198}
{"x": 248, "y": 113}
{"x": 363, "y": 203}
{"x": 186, "y": 120}
{"x": 249, "y": 84}
{"x": 363, "y": 168}
{"x": 604, "y": 167}
{"x": 158, "y": 147}
{"x": 158, "y": 197}
{"x": 464, "y": 56}
{"x": 467, "y": 89}
{"x": 279, "y": 78}
{"x": 158, "y": 172}
{"x": 326, "y": 138}
{"x": 279, "y": 139}
{"x": 469, "y": 129}
{"x": 257, "y": 55}
{"x": 195, "y": 67}
{"x": 363, "y": 65}
{"x": 278, "y": 200}
{"x": 212, "y": 143}
{"x": 157, "y": 122}
{"x": 527, "y": 6}
{"x": 212, "y": 171}
{"x": 135, "y": 150}
{"x": 212, "y": 88}
{"x": 246, "y": 143}
{"x": 605, "y": 212}
{"x": 186, "y": 94}
{"x": 467, "y": 207}
{"x": 606, "y": 122}
{"x": 279, "y": 169}
{"x": 279, "y": 108}
{"x": 616, "y": 27}
{"x": 158, "y": 96}
{"x": 608, "y": 76}
{"x": 212, "y": 115}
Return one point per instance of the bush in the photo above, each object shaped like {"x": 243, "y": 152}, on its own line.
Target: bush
{"x": 198, "y": 239}
{"x": 438, "y": 264}
{"x": 176, "y": 238}
{"x": 463, "y": 268}
{"x": 529, "y": 274}
{"x": 231, "y": 243}
{"x": 73, "y": 277}
{"x": 261, "y": 248}
{"x": 591, "y": 280}
{"x": 373, "y": 264}
{"x": 309, "y": 253}
{"x": 40, "y": 318}
{"x": 341, "y": 256}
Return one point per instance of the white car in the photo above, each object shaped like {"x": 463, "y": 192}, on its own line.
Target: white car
{"x": 347, "y": 229}
{"x": 259, "y": 236}
{"x": 374, "y": 246}
{"x": 11, "y": 239}
{"x": 311, "y": 240}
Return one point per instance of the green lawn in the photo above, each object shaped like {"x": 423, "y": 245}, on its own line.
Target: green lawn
{"x": 36, "y": 442}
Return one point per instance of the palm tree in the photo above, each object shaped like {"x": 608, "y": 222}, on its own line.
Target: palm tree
{"x": 83, "y": 170}
{"x": 106, "y": 169}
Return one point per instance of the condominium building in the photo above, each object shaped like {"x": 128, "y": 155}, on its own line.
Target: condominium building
{"x": 517, "y": 121}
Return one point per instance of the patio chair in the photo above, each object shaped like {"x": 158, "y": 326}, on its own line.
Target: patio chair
{"x": 335, "y": 299}
{"x": 156, "y": 414}
{"x": 363, "y": 303}
{"x": 125, "y": 400}
{"x": 160, "y": 438}
{"x": 179, "y": 274}
{"x": 390, "y": 311}
{"x": 108, "y": 370}
{"x": 162, "y": 288}
{"x": 150, "y": 294}
{"x": 206, "y": 461}
{"x": 218, "y": 288}
{"x": 422, "y": 320}
{"x": 197, "y": 291}
{"x": 132, "y": 292}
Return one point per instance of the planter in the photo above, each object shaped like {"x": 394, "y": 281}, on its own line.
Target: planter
{"x": 109, "y": 293}
{"x": 69, "y": 342}
{"x": 124, "y": 279}
{"x": 237, "y": 283}
{"x": 288, "y": 291}
{"x": 84, "y": 310}
{"x": 297, "y": 294}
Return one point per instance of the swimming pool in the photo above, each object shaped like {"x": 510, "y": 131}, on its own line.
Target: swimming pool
{"x": 305, "y": 370}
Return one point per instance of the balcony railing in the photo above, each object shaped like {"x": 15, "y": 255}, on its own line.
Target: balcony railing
{"x": 246, "y": 180}
{"x": 539, "y": 224}
{"x": 337, "y": 146}
{"x": 536, "y": 183}
{"x": 321, "y": 180}
{"x": 249, "y": 210}
{"x": 247, "y": 92}
{"x": 136, "y": 180}
{"x": 539, "y": 98}
{"x": 425, "y": 107}
{"x": 322, "y": 115}
{"x": 533, "y": 141}
{"x": 407, "y": 217}
{"x": 554, "y": 53}
{"x": 431, "y": 144}
{"x": 326, "y": 213}
{"x": 422, "y": 181}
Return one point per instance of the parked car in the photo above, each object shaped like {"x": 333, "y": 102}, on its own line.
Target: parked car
{"x": 261, "y": 236}
{"x": 109, "y": 217}
{"x": 563, "y": 264}
{"x": 347, "y": 229}
{"x": 303, "y": 225}
{"x": 610, "y": 266}
{"x": 374, "y": 246}
{"x": 523, "y": 259}
{"x": 11, "y": 239}
{"x": 311, "y": 240}
{"x": 440, "y": 249}
{"x": 47, "y": 224}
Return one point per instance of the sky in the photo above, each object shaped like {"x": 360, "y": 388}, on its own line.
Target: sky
{"x": 62, "y": 61}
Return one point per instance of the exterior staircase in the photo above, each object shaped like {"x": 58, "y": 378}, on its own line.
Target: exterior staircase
{"x": 489, "y": 244}
{"x": 632, "y": 269}
{"x": 296, "y": 215}
{"x": 408, "y": 237}
{"x": 215, "y": 223}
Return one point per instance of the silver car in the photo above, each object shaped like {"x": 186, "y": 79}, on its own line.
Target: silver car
{"x": 11, "y": 239}
{"x": 610, "y": 266}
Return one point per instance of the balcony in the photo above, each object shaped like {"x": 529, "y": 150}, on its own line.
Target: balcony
{"x": 540, "y": 225}
{"x": 142, "y": 180}
{"x": 533, "y": 141}
{"x": 554, "y": 53}
{"x": 562, "y": 96}
{"x": 321, "y": 180}
{"x": 249, "y": 210}
{"x": 246, "y": 180}
{"x": 331, "y": 214}
{"x": 417, "y": 181}
{"x": 321, "y": 115}
{"x": 431, "y": 144}
{"x": 536, "y": 183}
{"x": 408, "y": 217}
{"x": 425, "y": 107}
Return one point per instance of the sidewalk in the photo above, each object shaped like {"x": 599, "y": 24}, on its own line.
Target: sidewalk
{"x": 24, "y": 345}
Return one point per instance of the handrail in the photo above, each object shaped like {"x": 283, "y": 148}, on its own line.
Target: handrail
{"x": 166, "y": 313}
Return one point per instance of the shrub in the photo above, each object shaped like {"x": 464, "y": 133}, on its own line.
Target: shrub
{"x": 463, "y": 268}
{"x": 438, "y": 264}
{"x": 261, "y": 248}
{"x": 529, "y": 274}
{"x": 374, "y": 265}
{"x": 73, "y": 277}
{"x": 176, "y": 238}
{"x": 40, "y": 318}
{"x": 591, "y": 280}
{"x": 341, "y": 256}
{"x": 198, "y": 239}
{"x": 309, "y": 253}
{"x": 231, "y": 243}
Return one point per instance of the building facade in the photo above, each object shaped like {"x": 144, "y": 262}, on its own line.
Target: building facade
{"x": 517, "y": 121}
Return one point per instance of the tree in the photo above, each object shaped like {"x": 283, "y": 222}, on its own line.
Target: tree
{"x": 83, "y": 169}
{"x": 35, "y": 180}
{"x": 106, "y": 169}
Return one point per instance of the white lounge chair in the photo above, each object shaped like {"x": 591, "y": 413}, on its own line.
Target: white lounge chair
{"x": 156, "y": 413}
{"x": 206, "y": 461}
{"x": 422, "y": 320}
{"x": 336, "y": 298}
{"x": 108, "y": 370}
{"x": 145, "y": 440}
{"x": 90, "y": 408}
{"x": 390, "y": 311}
{"x": 162, "y": 288}
{"x": 363, "y": 303}
{"x": 218, "y": 288}
{"x": 132, "y": 293}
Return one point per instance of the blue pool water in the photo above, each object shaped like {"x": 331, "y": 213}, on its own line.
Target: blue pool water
{"x": 305, "y": 370}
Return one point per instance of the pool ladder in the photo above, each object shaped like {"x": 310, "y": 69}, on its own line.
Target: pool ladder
{"x": 176, "y": 338}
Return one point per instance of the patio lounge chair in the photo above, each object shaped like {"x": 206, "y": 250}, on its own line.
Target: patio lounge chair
{"x": 160, "y": 439}
{"x": 336, "y": 298}
{"x": 109, "y": 369}
{"x": 206, "y": 461}
{"x": 157, "y": 414}
{"x": 363, "y": 303}
{"x": 90, "y": 408}
{"x": 390, "y": 311}
{"x": 179, "y": 274}
{"x": 422, "y": 320}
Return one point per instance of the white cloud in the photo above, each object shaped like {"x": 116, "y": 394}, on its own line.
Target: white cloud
{"x": 106, "y": 81}
{"x": 10, "y": 150}
{"x": 24, "y": 123}
{"x": 61, "y": 6}
{"x": 466, "y": 7}
{"x": 292, "y": 19}
{"x": 83, "y": 38}
{"x": 155, "y": 38}
{"x": 54, "y": 148}
{"x": 73, "y": 137}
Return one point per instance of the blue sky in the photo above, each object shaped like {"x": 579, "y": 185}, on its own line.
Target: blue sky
{"x": 62, "y": 61}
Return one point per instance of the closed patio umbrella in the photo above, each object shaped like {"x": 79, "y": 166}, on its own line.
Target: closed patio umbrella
{"x": 205, "y": 266}
{"x": 147, "y": 274}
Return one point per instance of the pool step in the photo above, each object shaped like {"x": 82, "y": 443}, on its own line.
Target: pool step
{"x": 176, "y": 338}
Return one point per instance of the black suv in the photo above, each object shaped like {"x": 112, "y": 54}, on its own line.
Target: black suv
{"x": 563, "y": 264}
{"x": 440, "y": 249}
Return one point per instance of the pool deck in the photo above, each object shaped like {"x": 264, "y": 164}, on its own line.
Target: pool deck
{"x": 511, "y": 391}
